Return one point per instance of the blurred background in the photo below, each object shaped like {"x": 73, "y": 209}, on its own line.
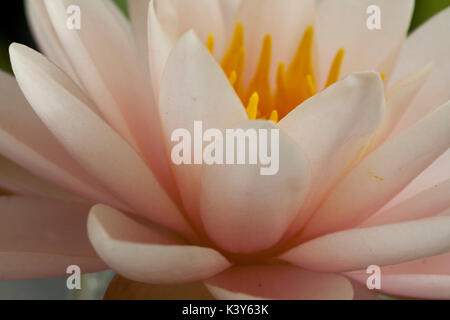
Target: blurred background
{"x": 14, "y": 28}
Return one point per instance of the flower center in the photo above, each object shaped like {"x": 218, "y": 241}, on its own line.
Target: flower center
{"x": 293, "y": 85}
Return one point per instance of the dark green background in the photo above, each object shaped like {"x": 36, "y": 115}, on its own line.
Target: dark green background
{"x": 13, "y": 25}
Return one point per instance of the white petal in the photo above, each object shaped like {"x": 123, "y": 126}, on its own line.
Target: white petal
{"x": 244, "y": 211}
{"x": 20, "y": 181}
{"x": 46, "y": 36}
{"x": 357, "y": 249}
{"x": 425, "y": 204}
{"x": 40, "y": 238}
{"x": 383, "y": 174}
{"x": 429, "y": 43}
{"x": 343, "y": 24}
{"x": 146, "y": 253}
{"x": 25, "y": 140}
{"x": 195, "y": 88}
{"x": 98, "y": 148}
{"x": 334, "y": 128}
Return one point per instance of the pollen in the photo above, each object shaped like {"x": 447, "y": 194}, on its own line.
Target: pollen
{"x": 294, "y": 84}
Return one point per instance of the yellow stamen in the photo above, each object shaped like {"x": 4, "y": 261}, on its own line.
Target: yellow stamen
{"x": 230, "y": 60}
{"x": 252, "y": 108}
{"x": 281, "y": 99}
{"x": 233, "y": 78}
{"x": 299, "y": 68}
{"x": 311, "y": 86}
{"x": 210, "y": 43}
{"x": 239, "y": 86}
{"x": 274, "y": 116}
{"x": 260, "y": 82}
{"x": 335, "y": 69}
{"x": 382, "y": 75}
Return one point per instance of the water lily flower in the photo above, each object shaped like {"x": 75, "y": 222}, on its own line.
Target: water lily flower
{"x": 364, "y": 120}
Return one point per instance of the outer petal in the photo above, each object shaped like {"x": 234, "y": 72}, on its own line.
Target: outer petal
{"x": 439, "y": 265}
{"x": 170, "y": 19}
{"x": 429, "y": 43}
{"x": 284, "y": 20}
{"x": 278, "y": 282}
{"x": 105, "y": 60}
{"x": 20, "y": 181}
{"x": 384, "y": 173}
{"x": 334, "y": 128}
{"x": 398, "y": 99}
{"x": 194, "y": 88}
{"x": 146, "y": 253}
{"x": 381, "y": 245}
{"x": 427, "y": 203}
{"x": 343, "y": 24}
{"x": 245, "y": 211}
{"x": 115, "y": 164}
{"x": 421, "y": 286}
{"x": 139, "y": 20}
{"x": 45, "y": 34}
{"x": 40, "y": 238}
{"x": 25, "y": 140}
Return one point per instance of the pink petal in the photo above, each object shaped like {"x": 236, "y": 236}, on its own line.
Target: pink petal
{"x": 147, "y": 253}
{"x": 284, "y": 20}
{"x": 40, "y": 238}
{"x": 20, "y": 181}
{"x": 170, "y": 19}
{"x": 244, "y": 211}
{"x": 429, "y": 43}
{"x": 229, "y": 9}
{"x": 195, "y": 88}
{"x": 334, "y": 128}
{"x": 25, "y": 140}
{"x": 421, "y": 286}
{"x": 431, "y": 265}
{"x": 435, "y": 174}
{"x": 380, "y": 245}
{"x": 398, "y": 99}
{"x": 46, "y": 37}
{"x": 139, "y": 20}
{"x": 278, "y": 282}
{"x": 383, "y": 174}
{"x": 105, "y": 61}
{"x": 425, "y": 204}
{"x": 343, "y": 24}
{"x": 97, "y": 147}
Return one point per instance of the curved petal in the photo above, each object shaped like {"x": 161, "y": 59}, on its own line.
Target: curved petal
{"x": 98, "y": 148}
{"x": 139, "y": 20}
{"x": 121, "y": 288}
{"x": 282, "y": 282}
{"x": 383, "y": 174}
{"x": 45, "y": 35}
{"x": 170, "y": 19}
{"x": 105, "y": 60}
{"x": 343, "y": 24}
{"x": 20, "y": 181}
{"x": 439, "y": 264}
{"x": 427, "y": 203}
{"x": 245, "y": 209}
{"x": 334, "y": 128}
{"x": 421, "y": 286}
{"x": 25, "y": 140}
{"x": 147, "y": 253}
{"x": 428, "y": 43}
{"x": 434, "y": 175}
{"x": 40, "y": 238}
{"x": 380, "y": 245}
{"x": 194, "y": 88}
{"x": 398, "y": 99}
{"x": 284, "y": 20}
